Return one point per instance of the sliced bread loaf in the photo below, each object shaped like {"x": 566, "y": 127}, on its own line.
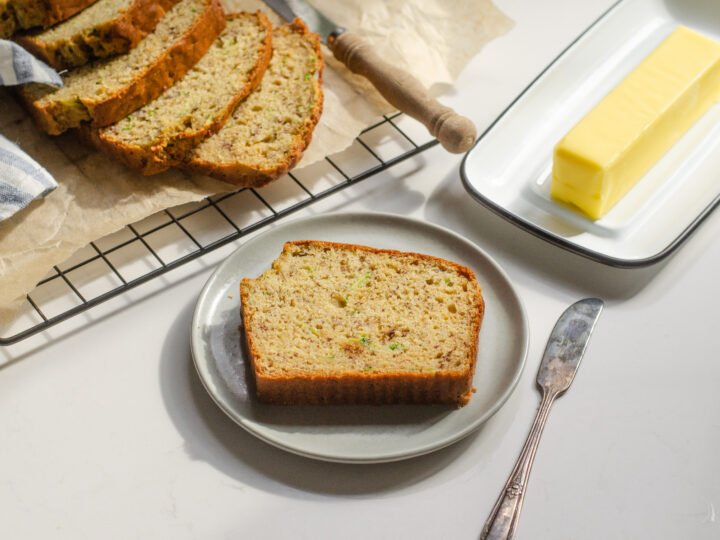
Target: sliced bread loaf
{"x": 106, "y": 28}
{"x": 340, "y": 323}
{"x": 158, "y": 135}
{"x": 269, "y": 131}
{"x": 105, "y": 91}
{"x": 24, "y": 14}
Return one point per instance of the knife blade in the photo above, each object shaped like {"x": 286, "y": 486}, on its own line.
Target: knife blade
{"x": 456, "y": 133}
{"x": 565, "y": 348}
{"x": 566, "y": 345}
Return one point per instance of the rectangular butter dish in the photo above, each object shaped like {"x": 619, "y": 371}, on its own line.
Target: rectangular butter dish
{"x": 509, "y": 168}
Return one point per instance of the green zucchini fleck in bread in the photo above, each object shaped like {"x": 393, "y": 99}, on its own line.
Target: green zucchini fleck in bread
{"x": 106, "y": 91}
{"x": 106, "y": 28}
{"x": 269, "y": 131}
{"x": 158, "y": 135}
{"x": 341, "y": 323}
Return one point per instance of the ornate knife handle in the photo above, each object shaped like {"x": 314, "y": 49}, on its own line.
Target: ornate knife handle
{"x": 503, "y": 520}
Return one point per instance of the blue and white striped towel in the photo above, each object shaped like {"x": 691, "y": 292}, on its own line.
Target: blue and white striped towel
{"x": 22, "y": 179}
{"x": 17, "y": 66}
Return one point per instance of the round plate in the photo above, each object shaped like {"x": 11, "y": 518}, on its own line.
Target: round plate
{"x": 356, "y": 433}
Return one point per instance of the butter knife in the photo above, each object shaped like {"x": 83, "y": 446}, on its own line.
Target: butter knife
{"x": 456, "y": 133}
{"x": 560, "y": 362}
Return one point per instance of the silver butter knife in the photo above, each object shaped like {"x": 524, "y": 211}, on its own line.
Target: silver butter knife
{"x": 560, "y": 362}
{"x": 403, "y": 91}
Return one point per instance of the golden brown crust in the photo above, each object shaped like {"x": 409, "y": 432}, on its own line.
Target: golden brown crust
{"x": 399, "y": 387}
{"x": 167, "y": 68}
{"x": 169, "y": 152}
{"x": 59, "y": 10}
{"x": 364, "y": 389}
{"x": 48, "y": 118}
{"x": 244, "y": 176}
{"x": 43, "y": 13}
{"x": 112, "y": 37}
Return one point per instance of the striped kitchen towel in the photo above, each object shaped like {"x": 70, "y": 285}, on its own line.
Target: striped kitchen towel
{"x": 17, "y": 66}
{"x": 22, "y": 179}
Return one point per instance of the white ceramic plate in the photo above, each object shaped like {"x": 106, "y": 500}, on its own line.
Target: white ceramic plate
{"x": 508, "y": 170}
{"x": 357, "y": 434}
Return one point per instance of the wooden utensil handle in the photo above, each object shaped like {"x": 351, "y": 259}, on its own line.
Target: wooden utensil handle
{"x": 456, "y": 133}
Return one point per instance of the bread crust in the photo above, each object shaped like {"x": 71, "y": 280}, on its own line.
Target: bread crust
{"x": 50, "y": 12}
{"x": 244, "y": 176}
{"x": 59, "y": 10}
{"x": 112, "y": 37}
{"x": 399, "y": 387}
{"x": 167, "y": 68}
{"x": 171, "y": 151}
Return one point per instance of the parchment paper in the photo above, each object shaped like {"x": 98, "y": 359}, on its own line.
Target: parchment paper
{"x": 433, "y": 39}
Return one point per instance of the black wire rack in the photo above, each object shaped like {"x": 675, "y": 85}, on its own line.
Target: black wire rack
{"x": 143, "y": 251}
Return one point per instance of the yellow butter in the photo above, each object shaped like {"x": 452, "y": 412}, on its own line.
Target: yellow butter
{"x": 618, "y": 141}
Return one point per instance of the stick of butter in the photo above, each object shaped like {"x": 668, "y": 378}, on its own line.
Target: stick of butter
{"x": 618, "y": 141}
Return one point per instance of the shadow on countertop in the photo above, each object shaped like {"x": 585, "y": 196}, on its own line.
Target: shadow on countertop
{"x": 212, "y": 437}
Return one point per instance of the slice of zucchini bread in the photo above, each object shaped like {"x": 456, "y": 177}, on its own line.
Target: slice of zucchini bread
{"x": 341, "y": 323}
{"x": 159, "y": 134}
{"x": 269, "y": 131}
{"x": 106, "y": 91}
{"x": 106, "y": 28}
{"x": 24, "y": 14}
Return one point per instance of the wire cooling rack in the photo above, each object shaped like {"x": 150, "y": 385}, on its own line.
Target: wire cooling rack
{"x": 143, "y": 251}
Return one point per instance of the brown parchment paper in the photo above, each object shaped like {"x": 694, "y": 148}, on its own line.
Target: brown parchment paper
{"x": 433, "y": 39}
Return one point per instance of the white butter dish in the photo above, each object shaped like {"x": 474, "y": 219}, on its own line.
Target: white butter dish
{"x": 508, "y": 170}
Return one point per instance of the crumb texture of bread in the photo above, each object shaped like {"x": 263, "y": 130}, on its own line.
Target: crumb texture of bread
{"x": 107, "y": 90}
{"x": 25, "y": 14}
{"x": 106, "y": 28}
{"x": 341, "y": 323}
{"x": 159, "y": 134}
{"x": 269, "y": 131}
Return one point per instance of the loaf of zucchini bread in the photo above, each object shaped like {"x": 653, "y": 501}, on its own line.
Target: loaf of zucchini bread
{"x": 106, "y": 28}
{"x": 106, "y": 91}
{"x": 268, "y": 132}
{"x": 18, "y": 15}
{"x": 341, "y": 323}
{"x": 159, "y": 134}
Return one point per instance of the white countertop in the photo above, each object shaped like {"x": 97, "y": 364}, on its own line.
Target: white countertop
{"x": 107, "y": 432}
